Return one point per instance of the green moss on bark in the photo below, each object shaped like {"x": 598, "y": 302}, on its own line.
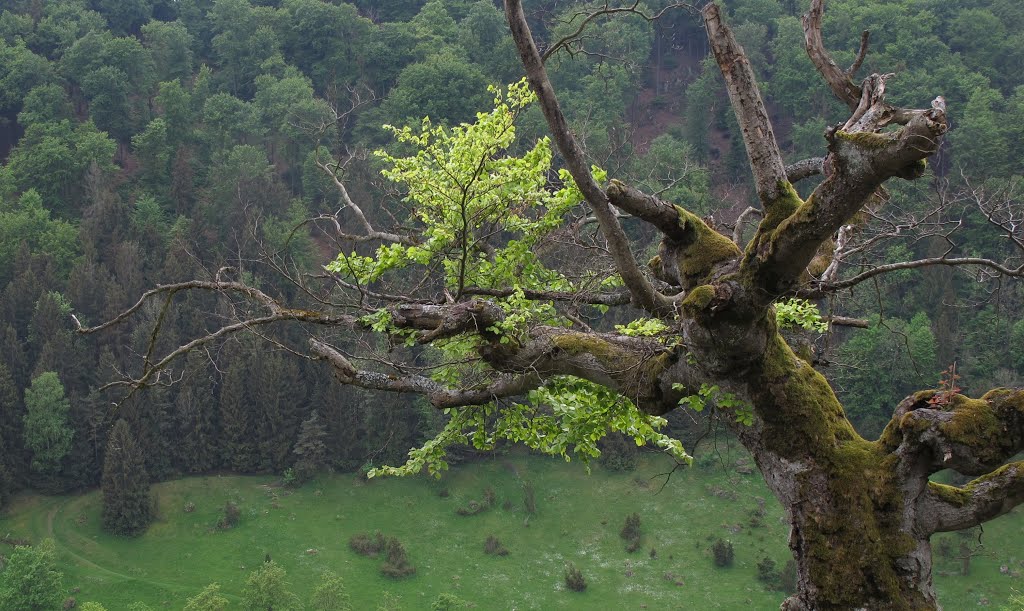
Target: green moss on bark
{"x": 868, "y": 140}
{"x": 697, "y": 259}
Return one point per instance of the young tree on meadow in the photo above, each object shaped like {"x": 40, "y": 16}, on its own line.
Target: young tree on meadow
{"x": 127, "y": 506}
{"x": 482, "y": 273}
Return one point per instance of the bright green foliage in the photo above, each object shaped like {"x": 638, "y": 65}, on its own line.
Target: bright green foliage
{"x": 446, "y": 601}
{"x": 715, "y": 396}
{"x": 330, "y": 594}
{"x": 91, "y": 606}
{"x": 30, "y": 581}
{"x": 799, "y": 313}
{"x": 47, "y": 432}
{"x": 29, "y": 222}
{"x": 209, "y": 599}
{"x": 566, "y": 416}
{"x": 463, "y": 188}
{"x": 390, "y": 602}
{"x": 266, "y": 590}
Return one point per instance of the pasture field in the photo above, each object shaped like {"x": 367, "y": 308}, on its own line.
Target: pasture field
{"x": 578, "y": 520}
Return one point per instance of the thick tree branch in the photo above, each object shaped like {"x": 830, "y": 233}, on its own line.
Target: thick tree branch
{"x": 839, "y": 81}
{"x": 805, "y": 168}
{"x": 762, "y": 148}
{"x": 643, "y": 292}
{"x": 941, "y": 430}
{"x": 948, "y": 508}
{"x": 859, "y": 163}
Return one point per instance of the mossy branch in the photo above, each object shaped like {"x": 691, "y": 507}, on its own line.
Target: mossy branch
{"x": 970, "y": 436}
{"x": 948, "y": 508}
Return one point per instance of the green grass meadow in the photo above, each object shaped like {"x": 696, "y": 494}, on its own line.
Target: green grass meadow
{"x": 578, "y": 519}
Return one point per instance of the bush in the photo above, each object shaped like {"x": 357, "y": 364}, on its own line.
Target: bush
{"x": 631, "y": 532}
{"x": 396, "y": 564}
{"x": 767, "y": 573}
{"x": 574, "y": 579}
{"x": 723, "y": 553}
{"x": 367, "y": 545}
{"x": 473, "y": 508}
{"x": 493, "y": 547}
{"x": 190, "y": 507}
{"x": 489, "y": 496}
{"x": 232, "y": 514}
{"x": 529, "y": 498}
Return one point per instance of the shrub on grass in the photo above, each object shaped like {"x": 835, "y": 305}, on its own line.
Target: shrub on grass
{"x": 473, "y": 508}
{"x": 529, "y": 498}
{"x": 493, "y": 547}
{"x": 367, "y": 545}
{"x": 767, "y": 573}
{"x": 447, "y": 601}
{"x": 489, "y": 496}
{"x": 723, "y": 553}
{"x": 190, "y": 507}
{"x": 232, "y": 514}
{"x": 574, "y": 579}
{"x": 396, "y": 564}
{"x": 631, "y": 532}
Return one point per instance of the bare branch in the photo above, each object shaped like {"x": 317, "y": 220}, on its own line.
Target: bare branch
{"x": 851, "y": 72}
{"x": 370, "y": 232}
{"x": 151, "y": 370}
{"x": 1015, "y": 272}
{"x": 741, "y": 224}
{"x": 565, "y": 41}
{"x": 762, "y": 148}
{"x": 837, "y": 79}
{"x": 439, "y": 396}
{"x": 643, "y": 292}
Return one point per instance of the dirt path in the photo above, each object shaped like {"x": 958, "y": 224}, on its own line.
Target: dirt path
{"x": 66, "y": 549}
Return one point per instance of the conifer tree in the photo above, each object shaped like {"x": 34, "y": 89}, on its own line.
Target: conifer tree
{"x": 194, "y": 410}
{"x": 311, "y": 447}
{"x": 126, "y": 503}
{"x": 238, "y": 453}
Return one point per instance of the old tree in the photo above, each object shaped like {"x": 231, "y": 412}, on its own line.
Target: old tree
{"x": 473, "y": 300}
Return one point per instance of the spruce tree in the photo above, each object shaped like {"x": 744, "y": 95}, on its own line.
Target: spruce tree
{"x": 238, "y": 453}
{"x": 311, "y": 447}
{"x": 195, "y": 411}
{"x": 126, "y": 502}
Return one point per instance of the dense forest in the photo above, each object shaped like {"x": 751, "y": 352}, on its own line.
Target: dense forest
{"x": 156, "y": 141}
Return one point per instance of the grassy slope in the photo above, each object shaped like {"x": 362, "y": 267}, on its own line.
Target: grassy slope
{"x": 578, "y": 520}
